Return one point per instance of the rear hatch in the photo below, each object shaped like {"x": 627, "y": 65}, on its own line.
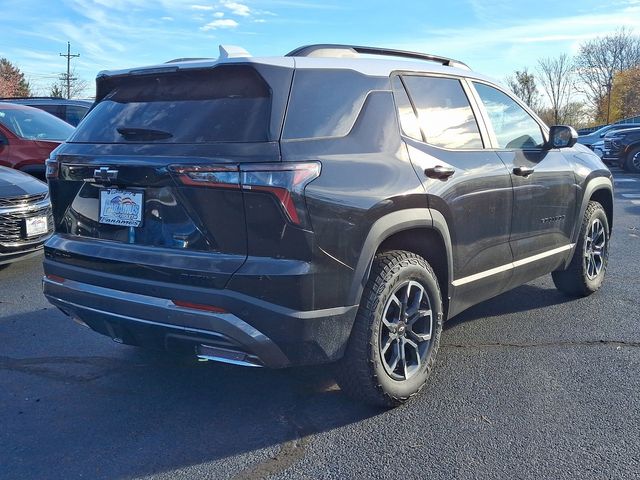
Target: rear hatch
{"x": 131, "y": 189}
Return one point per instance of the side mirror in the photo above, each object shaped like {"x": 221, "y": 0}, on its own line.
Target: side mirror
{"x": 3, "y": 140}
{"x": 562, "y": 136}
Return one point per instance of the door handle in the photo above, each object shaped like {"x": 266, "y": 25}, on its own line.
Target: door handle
{"x": 522, "y": 171}
{"x": 439, "y": 172}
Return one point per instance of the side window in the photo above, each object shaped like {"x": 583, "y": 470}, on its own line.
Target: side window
{"x": 512, "y": 125}
{"x": 75, "y": 114}
{"x": 52, "y": 109}
{"x": 444, "y": 113}
{"x": 408, "y": 120}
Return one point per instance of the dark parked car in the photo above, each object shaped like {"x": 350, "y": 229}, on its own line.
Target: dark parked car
{"x": 593, "y": 137}
{"x": 623, "y": 148}
{"x": 27, "y": 137}
{"x": 25, "y": 215}
{"x": 71, "y": 111}
{"x": 318, "y": 207}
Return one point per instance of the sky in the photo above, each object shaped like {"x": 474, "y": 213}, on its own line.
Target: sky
{"x": 494, "y": 37}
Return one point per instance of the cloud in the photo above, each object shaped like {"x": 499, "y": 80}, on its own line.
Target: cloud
{"x": 221, "y": 23}
{"x": 218, "y": 14}
{"x": 202, "y": 8}
{"x": 238, "y": 8}
{"x": 168, "y": 19}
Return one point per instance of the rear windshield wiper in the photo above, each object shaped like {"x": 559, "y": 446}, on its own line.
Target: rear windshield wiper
{"x": 143, "y": 134}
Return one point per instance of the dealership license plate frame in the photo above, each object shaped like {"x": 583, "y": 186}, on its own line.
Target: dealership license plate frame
{"x": 36, "y": 226}
{"x": 132, "y": 196}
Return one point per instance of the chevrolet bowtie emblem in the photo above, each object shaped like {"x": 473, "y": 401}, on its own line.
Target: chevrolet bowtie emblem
{"x": 105, "y": 174}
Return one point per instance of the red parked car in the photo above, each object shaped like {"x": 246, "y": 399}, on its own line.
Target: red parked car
{"x": 27, "y": 137}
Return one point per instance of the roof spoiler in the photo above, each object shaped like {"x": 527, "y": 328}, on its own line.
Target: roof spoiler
{"x": 232, "y": 51}
{"x": 226, "y": 51}
{"x": 336, "y": 50}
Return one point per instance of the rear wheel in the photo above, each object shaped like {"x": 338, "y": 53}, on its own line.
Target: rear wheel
{"x": 586, "y": 271}
{"x": 632, "y": 163}
{"x": 395, "y": 338}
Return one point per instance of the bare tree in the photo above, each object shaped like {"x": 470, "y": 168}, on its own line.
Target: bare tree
{"x": 77, "y": 87}
{"x": 598, "y": 61}
{"x": 523, "y": 84}
{"x": 556, "y": 77}
{"x": 56, "y": 91}
{"x": 12, "y": 81}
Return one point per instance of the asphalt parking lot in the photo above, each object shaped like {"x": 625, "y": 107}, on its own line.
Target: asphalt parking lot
{"x": 531, "y": 384}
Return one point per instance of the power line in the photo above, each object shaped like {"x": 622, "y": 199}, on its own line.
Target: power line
{"x": 67, "y": 78}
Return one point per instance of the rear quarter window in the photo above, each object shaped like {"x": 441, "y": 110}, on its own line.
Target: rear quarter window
{"x": 326, "y": 103}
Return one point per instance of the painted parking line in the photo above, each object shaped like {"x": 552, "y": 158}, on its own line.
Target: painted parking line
{"x": 635, "y": 202}
{"x": 620, "y": 180}
{"x": 631, "y": 195}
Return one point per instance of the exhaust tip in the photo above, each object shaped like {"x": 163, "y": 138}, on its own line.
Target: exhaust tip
{"x": 224, "y": 355}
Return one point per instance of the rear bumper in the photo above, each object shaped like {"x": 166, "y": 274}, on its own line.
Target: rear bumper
{"x": 248, "y": 332}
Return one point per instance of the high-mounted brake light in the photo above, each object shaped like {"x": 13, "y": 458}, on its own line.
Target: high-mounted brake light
{"x": 285, "y": 181}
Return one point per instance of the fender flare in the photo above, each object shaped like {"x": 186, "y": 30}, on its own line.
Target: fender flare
{"x": 595, "y": 184}
{"x": 388, "y": 225}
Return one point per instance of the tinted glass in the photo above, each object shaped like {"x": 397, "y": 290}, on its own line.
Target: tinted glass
{"x": 34, "y": 124}
{"x": 326, "y": 103}
{"x": 56, "y": 110}
{"x": 224, "y": 104}
{"x": 513, "y": 126}
{"x": 444, "y": 113}
{"x": 408, "y": 120}
{"x": 75, "y": 113}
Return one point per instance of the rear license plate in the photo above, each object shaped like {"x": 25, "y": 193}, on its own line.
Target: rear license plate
{"x": 121, "y": 207}
{"x": 36, "y": 226}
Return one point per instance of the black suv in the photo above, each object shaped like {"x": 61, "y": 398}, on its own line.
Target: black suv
{"x": 623, "y": 147}
{"x": 324, "y": 206}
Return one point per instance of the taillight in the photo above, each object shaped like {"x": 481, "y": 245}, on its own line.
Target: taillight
{"x": 285, "y": 181}
{"x": 208, "y": 176}
{"x": 52, "y": 167}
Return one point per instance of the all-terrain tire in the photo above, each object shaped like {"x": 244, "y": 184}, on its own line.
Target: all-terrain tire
{"x": 364, "y": 372}
{"x": 578, "y": 280}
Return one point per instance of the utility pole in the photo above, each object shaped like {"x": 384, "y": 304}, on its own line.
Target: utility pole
{"x": 67, "y": 78}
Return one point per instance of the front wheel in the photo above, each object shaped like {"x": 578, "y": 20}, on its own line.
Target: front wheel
{"x": 395, "y": 338}
{"x": 585, "y": 273}
{"x": 632, "y": 164}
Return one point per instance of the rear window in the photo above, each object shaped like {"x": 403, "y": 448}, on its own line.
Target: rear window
{"x": 34, "y": 124}
{"x": 224, "y": 104}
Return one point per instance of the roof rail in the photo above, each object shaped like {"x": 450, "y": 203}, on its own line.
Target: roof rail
{"x": 32, "y": 98}
{"x": 330, "y": 50}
